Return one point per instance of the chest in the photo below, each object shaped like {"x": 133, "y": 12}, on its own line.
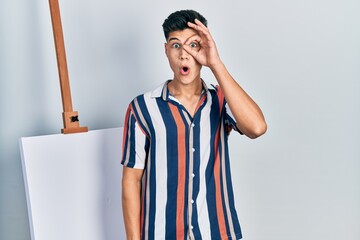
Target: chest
{"x": 190, "y": 104}
{"x": 172, "y": 120}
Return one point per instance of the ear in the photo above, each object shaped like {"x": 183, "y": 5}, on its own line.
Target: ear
{"x": 166, "y": 49}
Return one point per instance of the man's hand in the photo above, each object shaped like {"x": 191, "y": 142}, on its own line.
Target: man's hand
{"x": 208, "y": 54}
{"x": 248, "y": 116}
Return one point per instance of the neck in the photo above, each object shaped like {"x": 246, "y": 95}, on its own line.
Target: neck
{"x": 178, "y": 89}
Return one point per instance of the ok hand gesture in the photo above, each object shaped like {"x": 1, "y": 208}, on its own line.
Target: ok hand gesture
{"x": 208, "y": 54}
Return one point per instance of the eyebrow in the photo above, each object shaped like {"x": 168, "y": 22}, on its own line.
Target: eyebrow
{"x": 173, "y": 38}
{"x": 176, "y": 39}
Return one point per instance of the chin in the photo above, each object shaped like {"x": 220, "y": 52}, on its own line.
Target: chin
{"x": 187, "y": 79}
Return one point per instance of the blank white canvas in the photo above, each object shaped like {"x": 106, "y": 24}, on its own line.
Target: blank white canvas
{"x": 73, "y": 185}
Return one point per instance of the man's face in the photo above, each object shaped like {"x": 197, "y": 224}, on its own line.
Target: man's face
{"x": 186, "y": 69}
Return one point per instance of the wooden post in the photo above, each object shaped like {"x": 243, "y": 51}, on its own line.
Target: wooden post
{"x": 70, "y": 117}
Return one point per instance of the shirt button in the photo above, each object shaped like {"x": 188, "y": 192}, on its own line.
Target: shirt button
{"x": 193, "y": 175}
{"x": 192, "y": 201}
{"x": 193, "y": 125}
{"x": 193, "y": 149}
{"x": 191, "y": 227}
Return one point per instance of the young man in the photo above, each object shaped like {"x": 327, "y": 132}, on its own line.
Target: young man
{"x": 176, "y": 180}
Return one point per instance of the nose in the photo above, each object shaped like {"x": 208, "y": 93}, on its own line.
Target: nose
{"x": 184, "y": 55}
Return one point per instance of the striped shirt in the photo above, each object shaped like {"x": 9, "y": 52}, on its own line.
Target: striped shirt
{"x": 186, "y": 186}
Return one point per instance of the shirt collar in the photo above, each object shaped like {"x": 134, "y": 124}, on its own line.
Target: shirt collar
{"x": 163, "y": 91}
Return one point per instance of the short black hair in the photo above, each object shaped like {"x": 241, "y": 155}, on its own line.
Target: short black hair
{"x": 178, "y": 21}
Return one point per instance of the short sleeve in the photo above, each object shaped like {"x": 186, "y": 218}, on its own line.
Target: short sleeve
{"x": 230, "y": 119}
{"x": 230, "y": 122}
{"x": 135, "y": 142}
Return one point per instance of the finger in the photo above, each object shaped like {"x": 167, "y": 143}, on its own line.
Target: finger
{"x": 197, "y": 27}
{"x": 195, "y": 38}
{"x": 201, "y": 29}
{"x": 199, "y": 23}
{"x": 191, "y": 51}
{"x": 194, "y": 26}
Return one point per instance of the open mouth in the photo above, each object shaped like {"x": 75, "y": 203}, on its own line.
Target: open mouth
{"x": 184, "y": 70}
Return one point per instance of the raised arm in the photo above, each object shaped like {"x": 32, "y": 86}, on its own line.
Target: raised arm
{"x": 248, "y": 116}
{"x": 131, "y": 187}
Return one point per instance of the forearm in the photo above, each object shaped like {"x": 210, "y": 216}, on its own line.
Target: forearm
{"x": 249, "y": 117}
{"x": 131, "y": 208}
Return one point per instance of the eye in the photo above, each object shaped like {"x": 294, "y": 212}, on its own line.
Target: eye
{"x": 175, "y": 45}
{"x": 193, "y": 45}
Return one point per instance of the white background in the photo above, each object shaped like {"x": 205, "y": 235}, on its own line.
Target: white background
{"x": 300, "y": 60}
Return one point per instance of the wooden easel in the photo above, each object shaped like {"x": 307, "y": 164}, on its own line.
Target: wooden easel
{"x": 70, "y": 117}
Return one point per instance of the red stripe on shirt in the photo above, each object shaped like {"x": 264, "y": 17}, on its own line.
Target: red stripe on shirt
{"x": 219, "y": 206}
{"x": 217, "y": 171}
{"x": 201, "y": 101}
{"x": 180, "y": 201}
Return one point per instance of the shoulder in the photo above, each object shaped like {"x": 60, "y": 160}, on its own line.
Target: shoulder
{"x": 147, "y": 100}
{"x": 146, "y": 96}
{"x": 215, "y": 90}
{"x": 152, "y": 94}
